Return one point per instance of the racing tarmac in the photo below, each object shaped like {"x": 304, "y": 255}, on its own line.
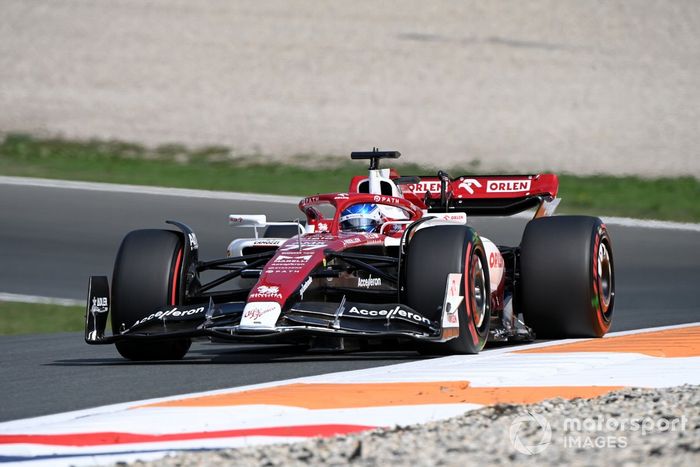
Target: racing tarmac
{"x": 52, "y": 239}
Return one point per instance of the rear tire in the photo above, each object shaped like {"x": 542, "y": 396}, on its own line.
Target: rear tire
{"x": 567, "y": 282}
{"x": 435, "y": 252}
{"x": 145, "y": 277}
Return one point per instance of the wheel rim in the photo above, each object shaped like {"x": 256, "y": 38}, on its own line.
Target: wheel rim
{"x": 605, "y": 279}
{"x": 478, "y": 292}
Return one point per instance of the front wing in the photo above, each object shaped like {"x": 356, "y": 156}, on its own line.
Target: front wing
{"x": 298, "y": 322}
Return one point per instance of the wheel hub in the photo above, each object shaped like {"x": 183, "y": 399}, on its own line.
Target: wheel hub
{"x": 479, "y": 294}
{"x": 605, "y": 289}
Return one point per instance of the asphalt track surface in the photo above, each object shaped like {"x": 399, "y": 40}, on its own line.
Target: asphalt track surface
{"x": 52, "y": 239}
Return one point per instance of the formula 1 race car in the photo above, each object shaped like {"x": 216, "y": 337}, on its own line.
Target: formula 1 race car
{"x": 392, "y": 260}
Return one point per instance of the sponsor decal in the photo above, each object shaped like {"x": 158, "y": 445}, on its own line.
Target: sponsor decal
{"x": 342, "y": 196}
{"x": 304, "y": 286}
{"x": 193, "y": 241}
{"x": 174, "y": 312}
{"x": 422, "y": 187}
{"x": 351, "y": 241}
{"x": 268, "y": 242}
{"x": 256, "y": 220}
{"x": 256, "y": 313}
{"x": 306, "y": 246}
{"x": 451, "y": 216}
{"x": 369, "y": 282}
{"x": 289, "y": 262}
{"x": 264, "y": 291}
{"x": 322, "y": 227}
{"x": 386, "y": 199}
{"x": 390, "y": 313}
{"x": 261, "y": 315}
{"x": 507, "y": 186}
{"x": 375, "y": 239}
{"x": 468, "y": 183}
{"x": 453, "y": 285}
{"x": 495, "y": 260}
{"x": 496, "y": 268}
{"x": 450, "y": 307}
{"x": 294, "y": 259}
{"x": 311, "y": 200}
{"x": 320, "y": 238}
{"x": 99, "y": 305}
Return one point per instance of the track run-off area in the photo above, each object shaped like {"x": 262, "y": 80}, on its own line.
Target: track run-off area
{"x": 66, "y": 402}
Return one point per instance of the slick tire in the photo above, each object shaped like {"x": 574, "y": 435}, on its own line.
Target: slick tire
{"x": 432, "y": 254}
{"x": 567, "y": 281}
{"x": 145, "y": 277}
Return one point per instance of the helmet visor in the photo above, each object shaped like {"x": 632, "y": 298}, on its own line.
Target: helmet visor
{"x": 358, "y": 224}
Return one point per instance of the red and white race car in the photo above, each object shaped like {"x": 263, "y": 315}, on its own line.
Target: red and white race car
{"x": 393, "y": 259}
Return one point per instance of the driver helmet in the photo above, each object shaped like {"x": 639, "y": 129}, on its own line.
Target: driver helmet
{"x": 360, "y": 218}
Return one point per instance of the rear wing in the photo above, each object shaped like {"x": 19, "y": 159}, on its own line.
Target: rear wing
{"x": 486, "y": 195}
{"x": 483, "y": 195}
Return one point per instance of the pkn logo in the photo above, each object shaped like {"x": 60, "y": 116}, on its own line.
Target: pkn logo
{"x": 468, "y": 183}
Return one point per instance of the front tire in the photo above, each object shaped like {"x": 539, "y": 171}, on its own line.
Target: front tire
{"x": 435, "y": 252}
{"x": 567, "y": 277}
{"x": 145, "y": 277}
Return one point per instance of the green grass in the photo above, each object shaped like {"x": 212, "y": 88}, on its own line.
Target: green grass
{"x": 217, "y": 168}
{"x": 31, "y": 318}
{"x": 663, "y": 198}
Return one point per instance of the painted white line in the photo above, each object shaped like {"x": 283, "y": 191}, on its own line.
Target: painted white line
{"x": 643, "y": 330}
{"x": 235, "y": 196}
{"x": 13, "y": 297}
{"x": 631, "y": 222}
{"x": 148, "y": 190}
{"x": 651, "y": 224}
